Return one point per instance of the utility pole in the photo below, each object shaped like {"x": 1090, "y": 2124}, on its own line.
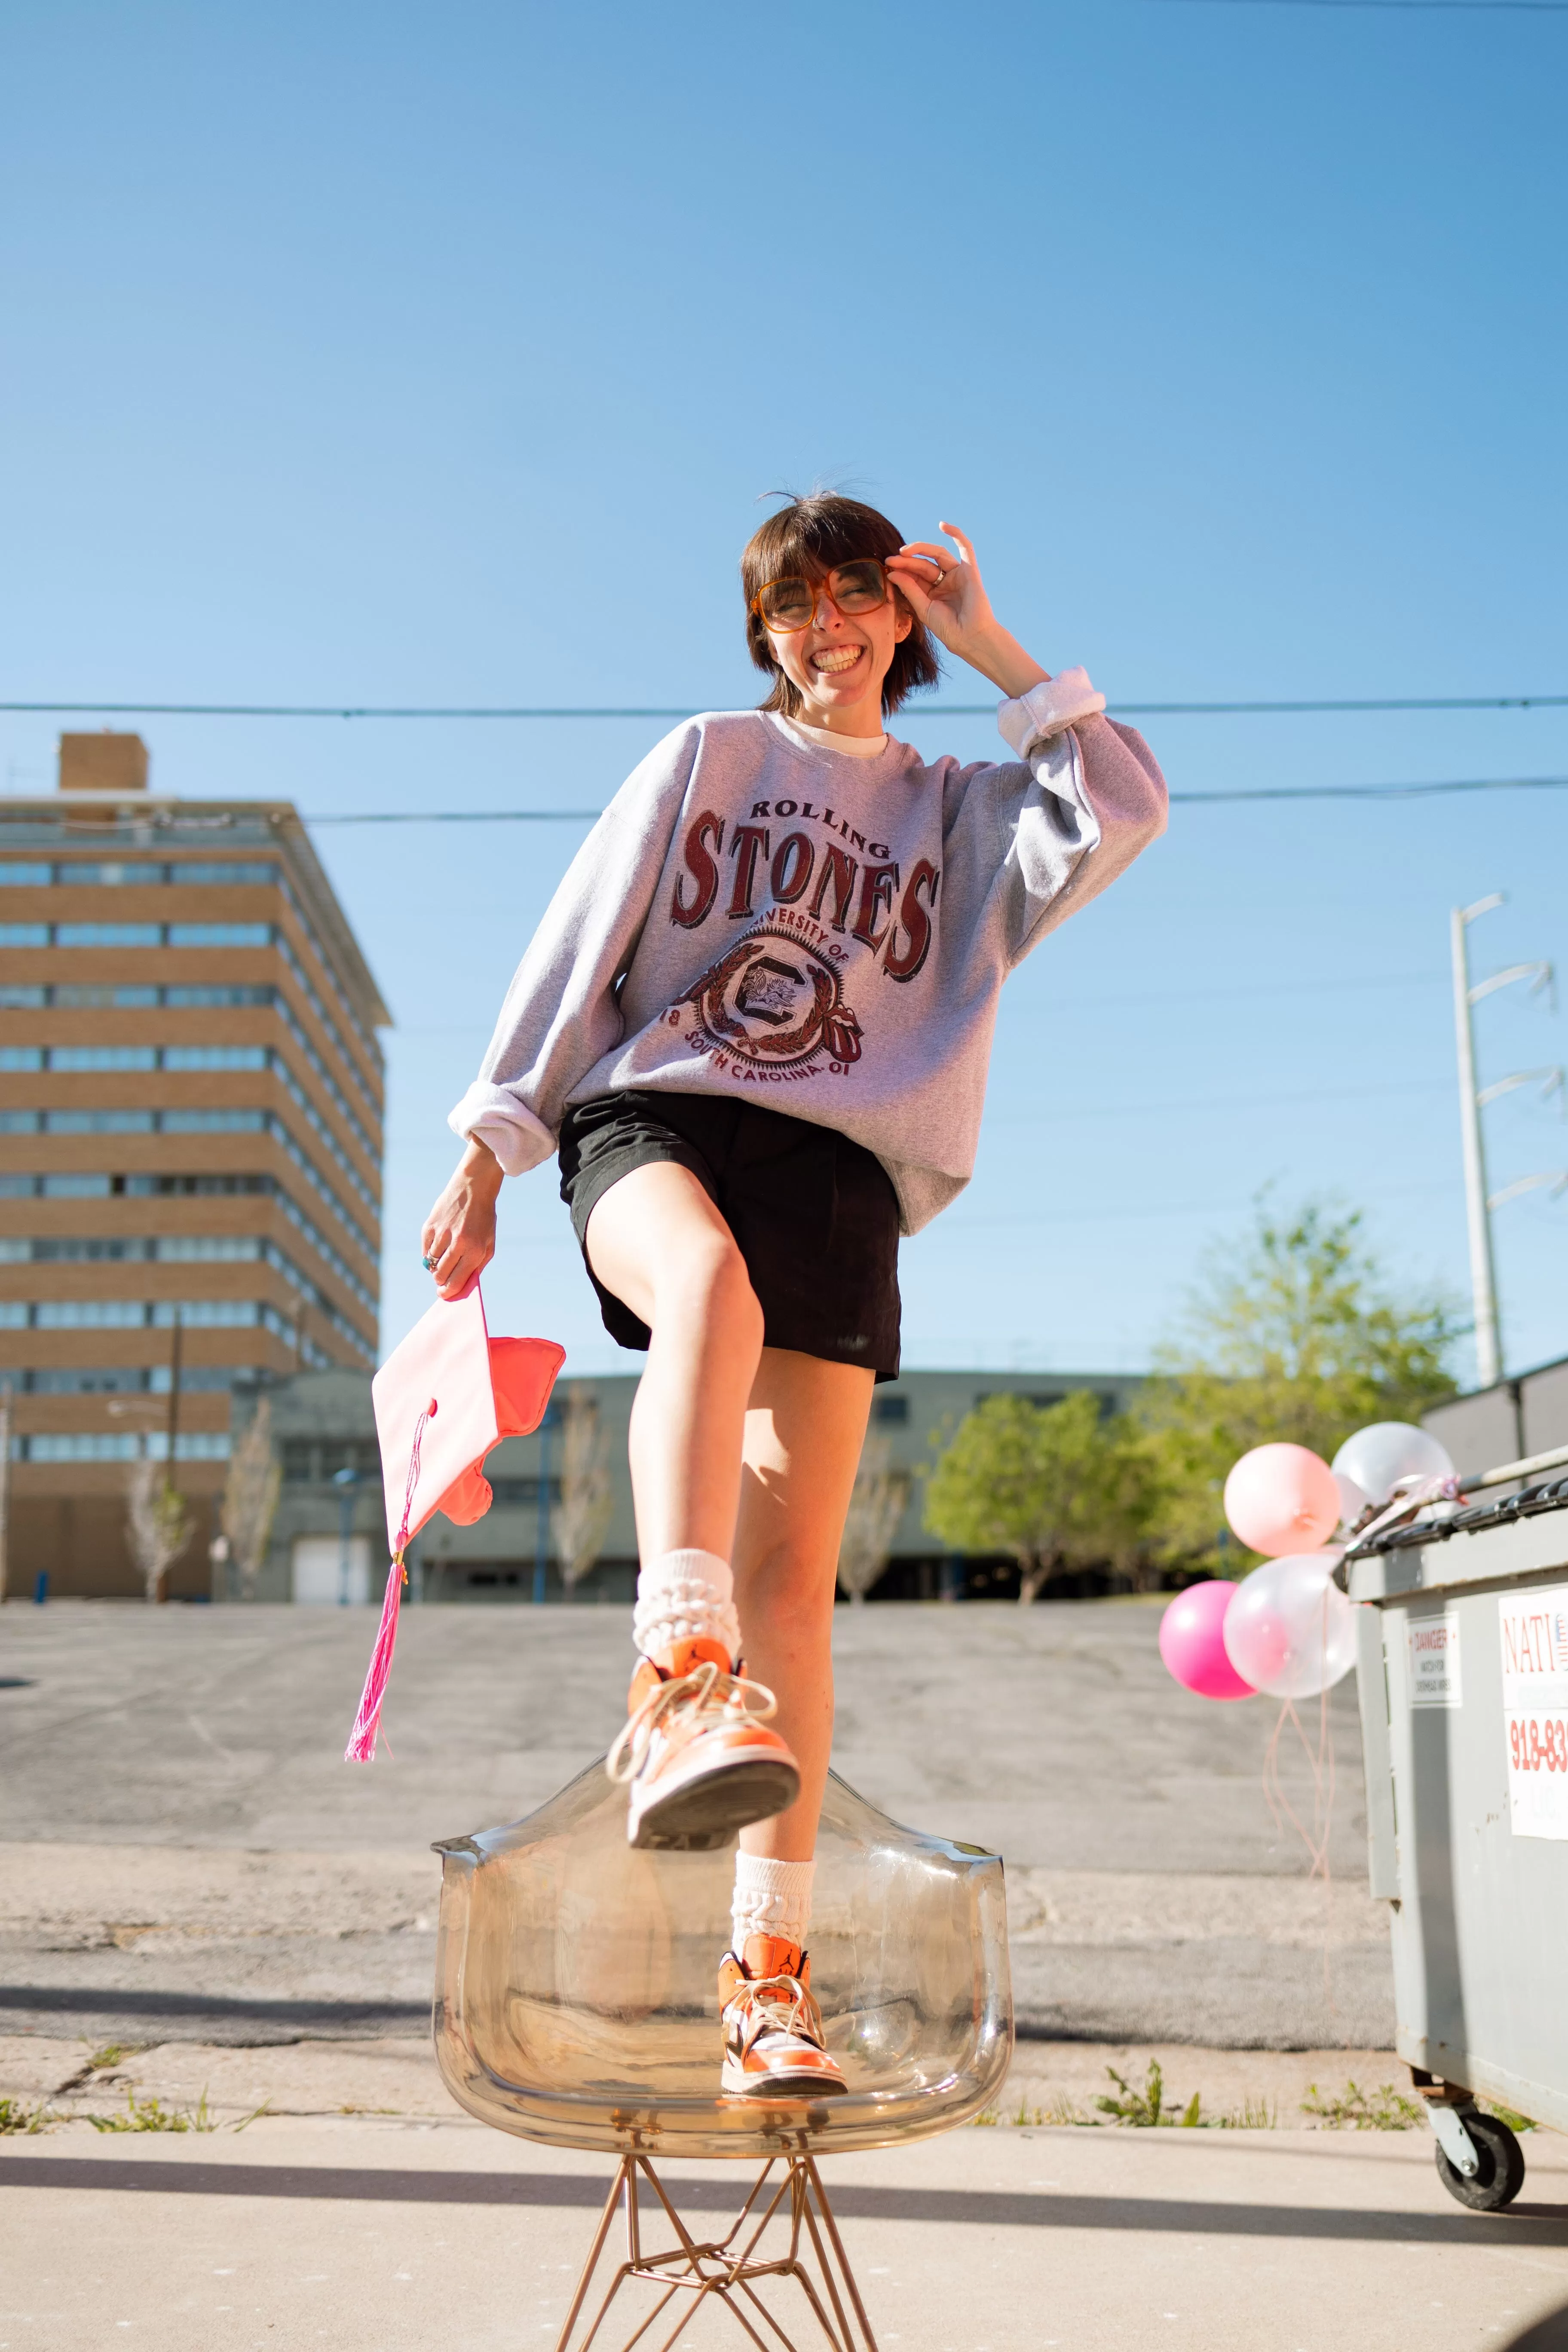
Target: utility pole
{"x": 176, "y": 1357}
{"x": 4, "y": 1479}
{"x": 1473, "y": 1099}
{"x": 542, "y": 1521}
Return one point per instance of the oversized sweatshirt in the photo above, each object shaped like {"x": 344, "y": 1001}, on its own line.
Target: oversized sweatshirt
{"x": 759, "y": 918}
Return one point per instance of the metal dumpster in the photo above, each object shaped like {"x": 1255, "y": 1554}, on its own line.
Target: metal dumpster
{"x": 1464, "y": 1705}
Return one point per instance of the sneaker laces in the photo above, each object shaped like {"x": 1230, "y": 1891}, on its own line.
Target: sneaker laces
{"x": 701, "y": 1686}
{"x": 778, "y": 2004}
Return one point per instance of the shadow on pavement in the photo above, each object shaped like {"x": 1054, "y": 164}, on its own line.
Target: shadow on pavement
{"x": 1548, "y": 2335}
{"x": 1539, "y": 2227}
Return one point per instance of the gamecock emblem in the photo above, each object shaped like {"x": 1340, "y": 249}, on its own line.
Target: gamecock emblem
{"x": 774, "y": 1000}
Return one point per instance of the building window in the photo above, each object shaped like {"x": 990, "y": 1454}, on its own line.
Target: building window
{"x": 219, "y": 935}
{"x": 108, "y": 935}
{"x": 98, "y": 1122}
{"x": 130, "y": 1000}
{"x": 89, "y": 1315}
{"x": 891, "y": 1409}
{"x": 104, "y": 1058}
{"x": 229, "y": 873}
{"x": 77, "y": 873}
{"x": 24, "y": 935}
{"x": 215, "y": 1057}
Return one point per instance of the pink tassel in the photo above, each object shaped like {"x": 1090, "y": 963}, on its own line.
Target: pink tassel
{"x": 361, "y": 1748}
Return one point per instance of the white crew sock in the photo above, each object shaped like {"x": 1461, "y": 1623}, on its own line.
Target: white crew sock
{"x": 686, "y": 1596}
{"x": 772, "y": 1899}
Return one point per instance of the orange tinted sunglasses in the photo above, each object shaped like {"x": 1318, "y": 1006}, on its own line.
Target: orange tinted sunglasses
{"x": 790, "y": 603}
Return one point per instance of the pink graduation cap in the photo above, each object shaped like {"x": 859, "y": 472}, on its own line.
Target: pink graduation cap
{"x": 443, "y": 1397}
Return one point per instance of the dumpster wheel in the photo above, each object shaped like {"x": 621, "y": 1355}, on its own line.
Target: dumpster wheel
{"x": 1502, "y": 2174}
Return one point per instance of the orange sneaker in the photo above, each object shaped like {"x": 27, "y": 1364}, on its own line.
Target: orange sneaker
{"x": 774, "y": 2047}
{"x": 697, "y": 1751}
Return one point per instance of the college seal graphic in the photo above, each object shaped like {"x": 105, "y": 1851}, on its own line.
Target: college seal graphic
{"x": 776, "y": 1003}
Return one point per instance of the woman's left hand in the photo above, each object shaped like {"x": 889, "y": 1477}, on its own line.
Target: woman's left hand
{"x": 946, "y": 592}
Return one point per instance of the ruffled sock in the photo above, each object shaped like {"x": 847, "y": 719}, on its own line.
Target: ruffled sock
{"x": 771, "y": 1898}
{"x": 686, "y": 1596}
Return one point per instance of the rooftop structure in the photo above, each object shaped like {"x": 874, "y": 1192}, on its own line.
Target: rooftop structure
{"x": 190, "y": 1096}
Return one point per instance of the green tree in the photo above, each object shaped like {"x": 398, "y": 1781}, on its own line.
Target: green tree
{"x": 1295, "y": 1333}
{"x": 1055, "y": 1486}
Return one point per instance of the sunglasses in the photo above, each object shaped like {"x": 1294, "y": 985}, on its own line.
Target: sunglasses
{"x": 791, "y": 603}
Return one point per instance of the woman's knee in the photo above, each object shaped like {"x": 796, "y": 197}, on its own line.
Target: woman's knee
{"x": 708, "y": 1282}
{"x": 787, "y": 1595}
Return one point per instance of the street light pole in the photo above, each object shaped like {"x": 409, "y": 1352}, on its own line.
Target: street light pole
{"x": 345, "y": 1481}
{"x": 1473, "y": 1099}
{"x": 1483, "y": 1276}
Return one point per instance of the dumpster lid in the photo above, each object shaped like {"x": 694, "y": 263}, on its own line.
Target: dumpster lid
{"x": 1449, "y": 1544}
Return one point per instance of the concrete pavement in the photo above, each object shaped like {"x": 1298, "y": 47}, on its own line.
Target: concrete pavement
{"x": 184, "y": 1855}
{"x": 409, "y": 2237}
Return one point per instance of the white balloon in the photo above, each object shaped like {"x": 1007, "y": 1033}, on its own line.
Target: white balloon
{"x": 1353, "y": 1499}
{"x": 1378, "y": 1456}
{"x": 1291, "y": 1631}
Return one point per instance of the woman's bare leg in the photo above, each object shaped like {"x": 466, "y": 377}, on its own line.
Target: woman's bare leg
{"x": 804, "y": 1426}
{"x": 657, "y": 1241}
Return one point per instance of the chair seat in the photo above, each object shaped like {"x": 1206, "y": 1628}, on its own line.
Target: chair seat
{"x": 576, "y": 1997}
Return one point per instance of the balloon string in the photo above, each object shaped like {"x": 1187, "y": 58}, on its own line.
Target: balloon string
{"x": 1320, "y": 1765}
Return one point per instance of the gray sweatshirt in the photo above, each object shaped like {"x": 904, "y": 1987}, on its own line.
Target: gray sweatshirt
{"x": 755, "y": 915}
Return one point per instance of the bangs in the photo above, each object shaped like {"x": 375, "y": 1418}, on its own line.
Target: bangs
{"x": 807, "y": 539}
{"x": 812, "y": 537}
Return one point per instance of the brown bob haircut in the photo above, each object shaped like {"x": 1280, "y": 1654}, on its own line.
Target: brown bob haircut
{"x": 809, "y": 537}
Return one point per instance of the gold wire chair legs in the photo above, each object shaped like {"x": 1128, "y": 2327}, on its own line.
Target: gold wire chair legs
{"x": 725, "y": 2269}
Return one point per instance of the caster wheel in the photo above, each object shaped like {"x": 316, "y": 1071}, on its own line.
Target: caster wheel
{"x": 1502, "y": 2176}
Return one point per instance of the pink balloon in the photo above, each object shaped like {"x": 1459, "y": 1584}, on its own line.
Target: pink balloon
{"x": 1282, "y": 1498}
{"x": 1191, "y": 1642}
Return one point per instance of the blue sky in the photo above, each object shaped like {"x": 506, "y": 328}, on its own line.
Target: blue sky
{"x": 395, "y": 355}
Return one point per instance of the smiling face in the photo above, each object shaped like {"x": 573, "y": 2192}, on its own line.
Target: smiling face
{"x": 837, "y": 666}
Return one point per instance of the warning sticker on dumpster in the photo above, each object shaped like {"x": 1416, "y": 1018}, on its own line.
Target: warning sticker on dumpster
{"x": 1533, "y": 1631}
{"x": 1435, "y": 1661}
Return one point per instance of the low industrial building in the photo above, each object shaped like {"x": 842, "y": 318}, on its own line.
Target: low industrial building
{"x": 330, "y": 1536}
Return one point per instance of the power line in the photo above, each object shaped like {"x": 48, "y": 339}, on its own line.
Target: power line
{"x": 1260, "y": 792}
{"x": 1385, "y": 791}
{"x": 649, "y": 711}
{"x": 1475, "y": 7}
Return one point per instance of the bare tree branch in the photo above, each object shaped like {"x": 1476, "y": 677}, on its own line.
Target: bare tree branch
{"x": 876, "y": 1507}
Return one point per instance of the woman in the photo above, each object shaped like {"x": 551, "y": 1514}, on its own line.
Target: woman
{"x": 755, "y": 1023}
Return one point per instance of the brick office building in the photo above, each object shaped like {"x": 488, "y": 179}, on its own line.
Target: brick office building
{"x": 191, "y": 1093}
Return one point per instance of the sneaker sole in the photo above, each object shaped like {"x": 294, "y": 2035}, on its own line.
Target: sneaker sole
{"x": 706, "y": 1811}
{"x": 793, "y": 2087}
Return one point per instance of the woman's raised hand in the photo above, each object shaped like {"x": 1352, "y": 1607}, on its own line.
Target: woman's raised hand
{"x": 945, "y": 591}
{"x": 460, "y": 1235}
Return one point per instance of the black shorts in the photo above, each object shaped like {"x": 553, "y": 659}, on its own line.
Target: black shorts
{"x": 814, "y": 1216}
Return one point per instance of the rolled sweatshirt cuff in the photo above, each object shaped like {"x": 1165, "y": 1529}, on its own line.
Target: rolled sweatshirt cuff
{"x": 493, "y": 1116}
{"x": 1055, "y": 703}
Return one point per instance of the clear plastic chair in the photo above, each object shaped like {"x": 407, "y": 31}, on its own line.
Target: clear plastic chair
{"x": 576, "y": 2004}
